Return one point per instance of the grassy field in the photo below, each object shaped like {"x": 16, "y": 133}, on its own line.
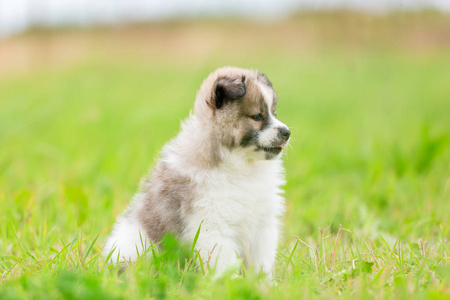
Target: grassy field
{"x": 83, "y": 114}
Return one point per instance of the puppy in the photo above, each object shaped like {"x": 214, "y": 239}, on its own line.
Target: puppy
{"x": 223, "y": 171}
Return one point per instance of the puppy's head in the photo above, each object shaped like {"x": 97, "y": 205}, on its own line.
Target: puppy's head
{"x": 240, "y": 105}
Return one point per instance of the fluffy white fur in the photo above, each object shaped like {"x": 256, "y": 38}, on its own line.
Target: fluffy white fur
{"x": 247, "y": 223}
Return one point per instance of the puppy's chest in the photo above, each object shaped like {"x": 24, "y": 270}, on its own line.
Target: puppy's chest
{"x": 239, "y": 198}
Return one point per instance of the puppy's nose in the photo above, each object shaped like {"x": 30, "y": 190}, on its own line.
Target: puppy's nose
{"x": 285, "y": 133}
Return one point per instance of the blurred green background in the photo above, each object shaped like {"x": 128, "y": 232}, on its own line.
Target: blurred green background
{"x": 84, "y": 113}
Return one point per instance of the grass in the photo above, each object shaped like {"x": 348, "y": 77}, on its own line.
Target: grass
{"x": 368, "y": 185}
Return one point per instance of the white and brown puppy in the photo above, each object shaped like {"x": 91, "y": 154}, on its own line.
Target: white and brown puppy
{"x": 223, "y": 169}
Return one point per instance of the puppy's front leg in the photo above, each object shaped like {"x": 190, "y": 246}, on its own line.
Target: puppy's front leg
{"x": 217, "y": 250}
{"x": 265, "y": 250}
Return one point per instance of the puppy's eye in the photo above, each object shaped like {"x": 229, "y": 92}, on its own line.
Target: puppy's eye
{"x": 257, "y": 117}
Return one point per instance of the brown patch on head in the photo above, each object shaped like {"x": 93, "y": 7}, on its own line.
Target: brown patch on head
{"x": 220, "y": 88}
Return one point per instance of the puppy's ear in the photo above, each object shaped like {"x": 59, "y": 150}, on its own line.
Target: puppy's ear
{"x": 227, "y": 89}
{"x": 263, "y": 78}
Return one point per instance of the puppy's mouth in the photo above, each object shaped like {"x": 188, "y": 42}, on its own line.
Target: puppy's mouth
{"x": 274, "y": 150}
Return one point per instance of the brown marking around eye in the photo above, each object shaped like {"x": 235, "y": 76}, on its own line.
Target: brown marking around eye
{"x": 251, "y": 104}
{"x": 254, "y": 103}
